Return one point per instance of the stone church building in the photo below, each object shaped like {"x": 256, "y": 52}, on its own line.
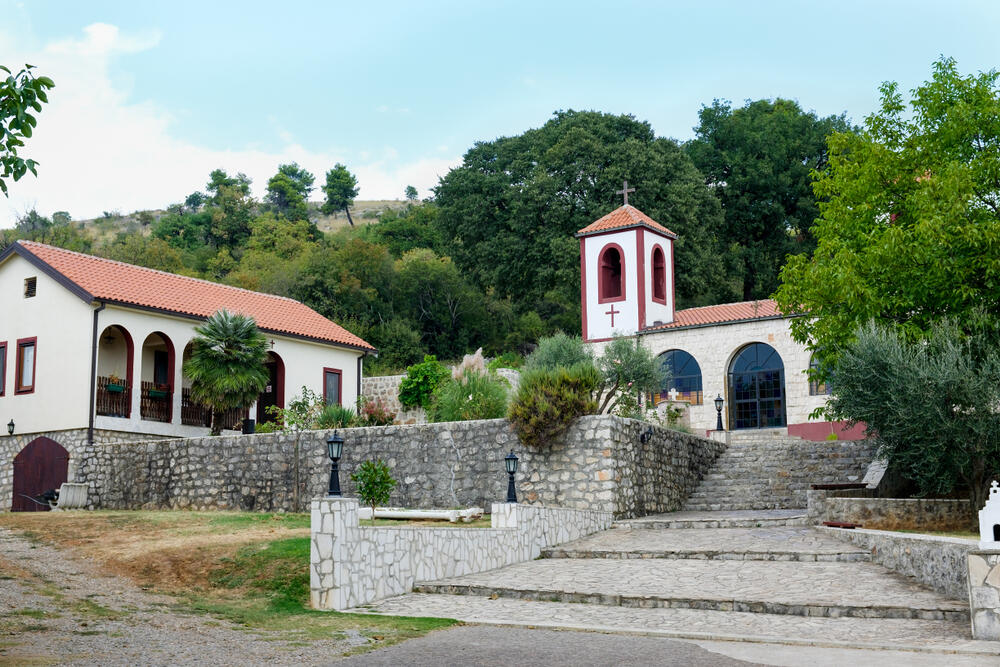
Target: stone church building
{"x": 743, "y": 352}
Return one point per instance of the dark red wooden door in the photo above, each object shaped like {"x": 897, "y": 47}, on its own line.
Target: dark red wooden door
{"x": 39, "y": 467}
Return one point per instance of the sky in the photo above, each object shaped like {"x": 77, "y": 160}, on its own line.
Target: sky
{"x": 152, "y": 96}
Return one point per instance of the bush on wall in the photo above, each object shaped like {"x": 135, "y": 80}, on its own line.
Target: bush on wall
{"x": 474, "y": 396}
{"x": 548, "y": 400}
{"x": 421, "y": 381}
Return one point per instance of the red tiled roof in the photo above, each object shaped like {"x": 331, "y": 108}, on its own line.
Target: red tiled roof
{"x": 117, "y": 282}
{"x": 623, "y": 217}
{"x": 723, "y": 313}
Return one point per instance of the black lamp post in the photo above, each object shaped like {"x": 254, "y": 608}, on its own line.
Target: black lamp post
{"x": 718, "y": 409}
{"x": 10, "y": 427}
{"x": 510, "y": 462}
{"x": 334, "y": 448}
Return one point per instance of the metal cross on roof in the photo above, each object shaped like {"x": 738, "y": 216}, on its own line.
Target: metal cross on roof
{"x": 624, "y": 191}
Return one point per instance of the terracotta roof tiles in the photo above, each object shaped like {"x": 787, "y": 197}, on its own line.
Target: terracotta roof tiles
{"x": 724, "y": 313}
{"x": 622, "y": 218}
{"x": 117, "y": 282}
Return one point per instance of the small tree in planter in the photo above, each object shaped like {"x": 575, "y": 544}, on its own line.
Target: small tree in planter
{"x": 374, "y": 483}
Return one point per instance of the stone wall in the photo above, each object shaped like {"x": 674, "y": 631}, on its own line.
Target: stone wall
{"x": 599, "y": 463}
{"x": 74, "y": 441}
{"x": 938, "y": 562}
{"x": 984, "y": 594}
{"x": 352, "y": 565}
{"x": 386, "y": 388}
{"x": 890, "y": 513}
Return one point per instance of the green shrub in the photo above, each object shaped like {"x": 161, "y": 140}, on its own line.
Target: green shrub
{"x": 335, "y": 416}
{"x": 421, "y": 381}
{"x": 374, "y": 483}
{"x": 548, "y": 400}
{"x": 558, "y": 350}
{"x": 505, "y": 360}
{"x": 475, "y": 396}
{"x": 373, "y": 412}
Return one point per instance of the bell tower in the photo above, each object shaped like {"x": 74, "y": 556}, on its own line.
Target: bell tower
{"x": 627, "y": 273}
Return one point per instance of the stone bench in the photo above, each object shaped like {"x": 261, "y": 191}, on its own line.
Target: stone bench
{"x": 72, "y": 496}
{"x": 454, "y": 516}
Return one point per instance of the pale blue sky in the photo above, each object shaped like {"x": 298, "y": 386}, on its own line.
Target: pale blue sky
{"x": 151, "y": 96}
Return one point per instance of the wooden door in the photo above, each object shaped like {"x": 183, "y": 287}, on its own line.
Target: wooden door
{"x": 41, "y": 466}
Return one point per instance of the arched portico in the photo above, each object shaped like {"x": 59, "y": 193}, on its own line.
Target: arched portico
{"x": 756, "y": 383}
{"x": 157, "y": 376}
{"x": 115, "y": 358}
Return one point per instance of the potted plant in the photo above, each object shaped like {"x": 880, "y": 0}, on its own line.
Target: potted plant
{"x": 115, "y": 384}
{"x": 160, "y": 391}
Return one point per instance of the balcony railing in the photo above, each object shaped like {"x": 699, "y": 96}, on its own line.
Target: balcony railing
{"x": 156, "y": 402}
{"x": 196, "y": 414}
{"x": 114, "y": 399}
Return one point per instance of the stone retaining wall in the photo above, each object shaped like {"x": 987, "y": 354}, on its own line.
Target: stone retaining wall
{"x": 598, "y": 464}
{"x": 938, "y": 562}
{"x": 352, "y": 565}
{"x": 890, "y": 513}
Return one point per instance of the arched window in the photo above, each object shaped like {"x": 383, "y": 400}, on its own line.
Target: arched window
{"x": 817, "y": 387}
{"x": 683, "y": 375}
{"x": 611, "y": 284}
{"x": 757, "y": 388}
{"x": 659, "y": 276}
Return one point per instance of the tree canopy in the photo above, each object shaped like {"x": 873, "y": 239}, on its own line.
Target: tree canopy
{"x": 340, "y": 189}
{"x": 909, "y": 215}
{"x": 21, "y": 97}
{"x": 758, "y": 160}
{"x": 288, "y": 191}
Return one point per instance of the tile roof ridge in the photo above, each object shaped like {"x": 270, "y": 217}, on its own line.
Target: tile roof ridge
{"x": 159, "y": 271}
{"x": 732, "y": 303}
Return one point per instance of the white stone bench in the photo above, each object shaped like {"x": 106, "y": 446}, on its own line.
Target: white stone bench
{"x": 454, "y": 516}
{"x": 72, "y": 496}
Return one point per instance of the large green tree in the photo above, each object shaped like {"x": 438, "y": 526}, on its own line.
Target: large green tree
{"x": 21, "y": 96}
{"x": 288, "y": 191}
{"x": 511, "y": 209}
{"x": 758, "y": 160}
{"x": 909, "y": 229}
{"x": 226, "y": 366}
{"x": 341, "y": 188}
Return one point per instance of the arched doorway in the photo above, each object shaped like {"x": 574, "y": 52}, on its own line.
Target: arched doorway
{"x": 274, "y": 391}
{"x": 757, "y": 388}
{"x": 114, "y": 372}
{"x": 41, "y": 466}
{"x": 157, "y": 397}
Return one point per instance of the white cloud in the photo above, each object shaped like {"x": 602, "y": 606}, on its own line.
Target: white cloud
{"x": 99, "y": 151}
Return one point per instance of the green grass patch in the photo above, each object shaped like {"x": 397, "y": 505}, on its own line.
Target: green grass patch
{"x": 247, "y": 520}
{"x": 34, "y": 613}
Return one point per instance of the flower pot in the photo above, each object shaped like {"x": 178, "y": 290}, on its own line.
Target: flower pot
{"x": 158, "y": 393}
{"x": 115, "y": 388}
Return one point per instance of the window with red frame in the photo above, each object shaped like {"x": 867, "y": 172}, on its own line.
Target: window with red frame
{"x": 25, "y": 378}
{"x": 331, "y": 386}
{"x": 659, "y": 276}
{"x": 3, "y": 367}
{"x": 612, "y": 278}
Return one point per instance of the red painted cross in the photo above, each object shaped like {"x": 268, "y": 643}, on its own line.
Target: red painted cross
{"x": 612, "y": 313}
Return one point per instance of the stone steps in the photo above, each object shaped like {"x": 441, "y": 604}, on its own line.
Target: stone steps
{"x": 742, "y": 518}
{"x": 808, "y": 589}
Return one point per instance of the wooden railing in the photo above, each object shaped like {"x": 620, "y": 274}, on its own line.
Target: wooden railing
{"x": 114, "y": 399}
{"x": 155, "y": 402}
{"x": 196, "y": 414}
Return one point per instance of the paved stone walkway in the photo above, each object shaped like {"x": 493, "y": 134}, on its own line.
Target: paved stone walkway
{"x": 783, "y": 543}
{"x": 813, "y": 589}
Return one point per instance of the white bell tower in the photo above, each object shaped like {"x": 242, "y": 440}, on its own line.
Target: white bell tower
{"x": 627, "y": 273}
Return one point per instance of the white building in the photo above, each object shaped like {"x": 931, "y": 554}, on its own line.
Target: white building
{"x": 742, "y": 352}
{"x": 92, "y": 350}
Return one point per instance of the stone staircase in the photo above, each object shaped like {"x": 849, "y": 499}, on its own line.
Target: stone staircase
{"x": 768, "y": 469}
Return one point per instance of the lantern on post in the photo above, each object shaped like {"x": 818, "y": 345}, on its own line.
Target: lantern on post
{"x": 718, "y": 412}
{"x": 10, "y": 427}
{"x": 334, "y": 448}
{"x": 510, "y": 462}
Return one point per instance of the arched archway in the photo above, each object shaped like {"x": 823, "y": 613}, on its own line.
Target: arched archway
{"x": 683, "y": 374}
{"x": 611, "y": 278}
{"x": 274, "y": 391}
{"x": 757, "y": 388}
{"x": 115, "y": 355}
{"x": 41, "y": 466}
{"x": 158, "y": 358}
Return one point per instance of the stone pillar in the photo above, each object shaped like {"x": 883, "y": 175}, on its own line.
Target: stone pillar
{"x": 332, "y": 520}
{"x": 984, "y": 594}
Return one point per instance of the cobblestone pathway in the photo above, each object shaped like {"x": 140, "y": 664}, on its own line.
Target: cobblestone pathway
{"x": 773, "y": 583}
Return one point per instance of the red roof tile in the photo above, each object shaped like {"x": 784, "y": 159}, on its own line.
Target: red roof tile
{"x": 117, "y": 282}
{"x": 622, "y": 218}
{"x": 723, "y": 313}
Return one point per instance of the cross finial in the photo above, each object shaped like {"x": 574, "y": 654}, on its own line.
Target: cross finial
{"x": 624, "y": 191}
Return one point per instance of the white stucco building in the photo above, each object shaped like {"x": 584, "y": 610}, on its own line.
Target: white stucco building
{"x": 742, "y": 352}
{"x": 91, "y": 348}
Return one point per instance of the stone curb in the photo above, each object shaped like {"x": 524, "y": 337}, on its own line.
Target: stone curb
{"x": 838, "y": 557}
{"x": 667, "y": 524}
{"x": 951, "y": 613}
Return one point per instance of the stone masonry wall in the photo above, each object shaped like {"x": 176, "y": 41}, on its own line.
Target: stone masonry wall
{"x": 938, "y": 562}
{"x": 352, "y": 564}
{"x": 890, "y": 513}
{"x": 74, "y": 441}
{"x": 598, "y": 464}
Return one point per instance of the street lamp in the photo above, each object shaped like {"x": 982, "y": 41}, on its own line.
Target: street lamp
{"x": 334, "y": 448}
{"x": 718, "y": 409}
{"x": 510, "y": 462}
{"x": 10, "y": 427}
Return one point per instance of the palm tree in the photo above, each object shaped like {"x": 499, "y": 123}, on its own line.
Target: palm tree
{"x": 226, "y": 367}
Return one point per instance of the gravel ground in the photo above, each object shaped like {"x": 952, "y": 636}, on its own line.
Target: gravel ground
{"x": 60, "y": 609}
